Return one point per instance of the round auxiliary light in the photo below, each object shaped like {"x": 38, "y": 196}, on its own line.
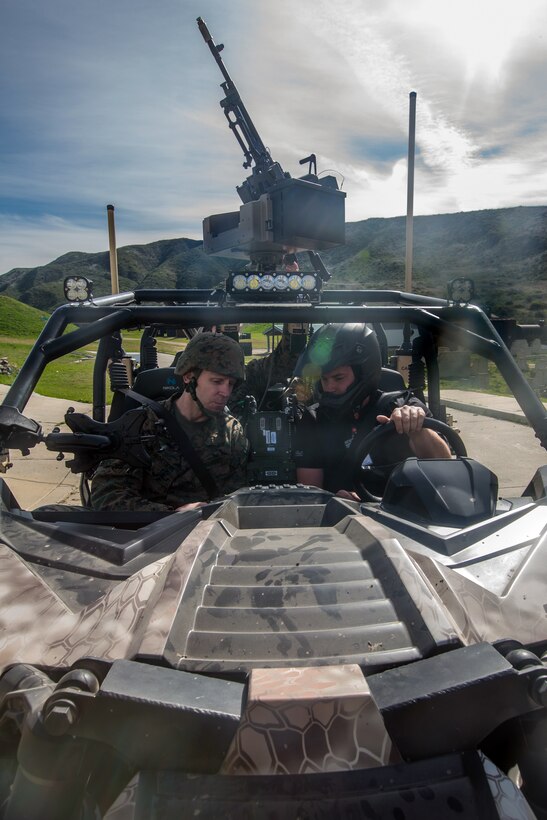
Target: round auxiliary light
{"x": 239, "y": 282}
{"x": 267, "y": 281}
{"x": 253, "y": 282}
{"x": 461, "y": 290}
{"x": 281, "y": 281}
{"x": 309, "y": 282}
{"x": 295, "y": 281}
{"x": 77, "y": 288}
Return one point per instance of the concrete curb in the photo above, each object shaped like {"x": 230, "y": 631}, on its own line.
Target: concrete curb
{"x": 479, "y": 410}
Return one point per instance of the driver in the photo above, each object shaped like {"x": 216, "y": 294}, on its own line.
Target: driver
{"x": 196, "y": 425}
{"x": 345, "y": 362}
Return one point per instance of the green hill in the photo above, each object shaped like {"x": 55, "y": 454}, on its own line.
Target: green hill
{"x": 20, "y": 321}
{"x": 503, "y": 250}
{"x": 169, "y": 263}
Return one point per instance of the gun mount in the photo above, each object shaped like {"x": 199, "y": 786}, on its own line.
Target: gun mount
{"x": 279, "y": 214}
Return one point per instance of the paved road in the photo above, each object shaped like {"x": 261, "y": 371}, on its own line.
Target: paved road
{"x": 39, "y": 478}
{"x": 510, "y": 450}
{"x": 507, "y": 448}
{"x": 497, "y": 434}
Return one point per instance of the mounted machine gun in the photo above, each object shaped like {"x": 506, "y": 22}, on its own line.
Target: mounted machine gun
{"x": 279, "y": 214}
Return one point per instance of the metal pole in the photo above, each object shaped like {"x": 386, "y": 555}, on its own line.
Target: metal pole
{"x": 112, "y": 247}
{"x": 410, "y": 192}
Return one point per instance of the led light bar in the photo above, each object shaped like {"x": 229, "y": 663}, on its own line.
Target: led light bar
{"x": 265, "y": 285}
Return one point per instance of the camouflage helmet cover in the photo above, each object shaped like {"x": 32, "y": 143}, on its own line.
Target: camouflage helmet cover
{"x": 215, "y": 352}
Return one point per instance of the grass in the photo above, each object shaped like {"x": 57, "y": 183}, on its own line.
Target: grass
{"x": 69, "y": 377}
{"x": 492, "y": 382}
{"x": 19, "y": 320}
{"x": 496, "y": 384}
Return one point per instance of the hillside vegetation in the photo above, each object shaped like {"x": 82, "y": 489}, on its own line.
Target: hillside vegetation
{"x": 503, "y": 250}
{"x": 20, "y": 321}
{"x": 169, "y": 263}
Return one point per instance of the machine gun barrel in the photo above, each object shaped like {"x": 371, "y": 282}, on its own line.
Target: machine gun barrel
{"x": 243, "y": 128}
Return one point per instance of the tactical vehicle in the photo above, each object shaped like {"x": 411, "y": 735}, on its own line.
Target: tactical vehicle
{"x": 281, "y": 652}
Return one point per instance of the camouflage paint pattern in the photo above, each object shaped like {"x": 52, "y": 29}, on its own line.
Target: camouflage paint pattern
{"x": 125, "y": 805}
{"x": 296, "y": 720}
{"x": 305, "y": 721}
{"x": 482, "y": 615}
{"x": 510, "y": 802}
{"x": 295, "y": 714}
{"x": 147, "y": 614}
{"x": 52, "y": 634}
{"x": 157, "y": 629}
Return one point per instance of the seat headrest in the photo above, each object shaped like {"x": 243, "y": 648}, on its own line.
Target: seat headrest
{"x": 159, "y": 383}
{"x": 391, "y": 380}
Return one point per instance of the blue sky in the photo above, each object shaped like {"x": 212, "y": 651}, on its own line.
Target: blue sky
{"x": 116, "y": 101}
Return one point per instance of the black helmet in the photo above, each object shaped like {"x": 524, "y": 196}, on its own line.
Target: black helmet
{"x": 212, "y": 351}
{"x": 333, "y": 346}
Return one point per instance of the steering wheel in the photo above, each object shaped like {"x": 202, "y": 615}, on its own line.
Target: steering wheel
{"x": 388, "y": 429}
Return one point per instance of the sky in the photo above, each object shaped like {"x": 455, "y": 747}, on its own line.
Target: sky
{"x": 117, "y": 101}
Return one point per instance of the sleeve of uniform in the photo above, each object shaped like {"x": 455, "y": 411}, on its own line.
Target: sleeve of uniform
{"x": 412, "y": 401}
{"x": 239, "y": 454}
{"x": 396, "y": 448}
{"x": 117, "y": 485}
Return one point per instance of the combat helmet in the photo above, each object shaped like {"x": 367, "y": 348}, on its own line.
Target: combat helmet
{"x": 212, "y": 351}
{"x": 335, "y": 345}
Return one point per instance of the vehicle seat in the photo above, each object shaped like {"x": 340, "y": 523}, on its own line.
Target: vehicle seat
{"x": 158, "y": 383}
{"x": 391, "y": 380}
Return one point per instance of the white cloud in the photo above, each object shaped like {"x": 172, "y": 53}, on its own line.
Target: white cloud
{"x": 118, "y": 102}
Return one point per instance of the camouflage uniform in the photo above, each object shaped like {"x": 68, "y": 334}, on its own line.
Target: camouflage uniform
{"x": 219, "y": 442}
{"x": 265, "y": 372}
{"x": 170, "y": 481}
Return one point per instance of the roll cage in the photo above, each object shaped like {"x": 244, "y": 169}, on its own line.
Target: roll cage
{"x": 437, "y": 321}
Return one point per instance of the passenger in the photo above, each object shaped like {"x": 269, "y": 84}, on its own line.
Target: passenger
{"x": 197, "y": 436}
{"x": 345, "y": 361}
{"x": 277, "y": 367}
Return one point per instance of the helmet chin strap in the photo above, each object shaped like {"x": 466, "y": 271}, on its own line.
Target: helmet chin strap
{"x": 191, "y": 387}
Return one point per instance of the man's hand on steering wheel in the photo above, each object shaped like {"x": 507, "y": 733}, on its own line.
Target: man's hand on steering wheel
{"x": 409, "y": 420}
{"x": 429, "y": 425}
{"x": 424, "y": 442}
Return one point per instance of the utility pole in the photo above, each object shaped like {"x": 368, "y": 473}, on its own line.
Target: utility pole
{"x": 410, "y": 192}
{"x": 112, "y": 246}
